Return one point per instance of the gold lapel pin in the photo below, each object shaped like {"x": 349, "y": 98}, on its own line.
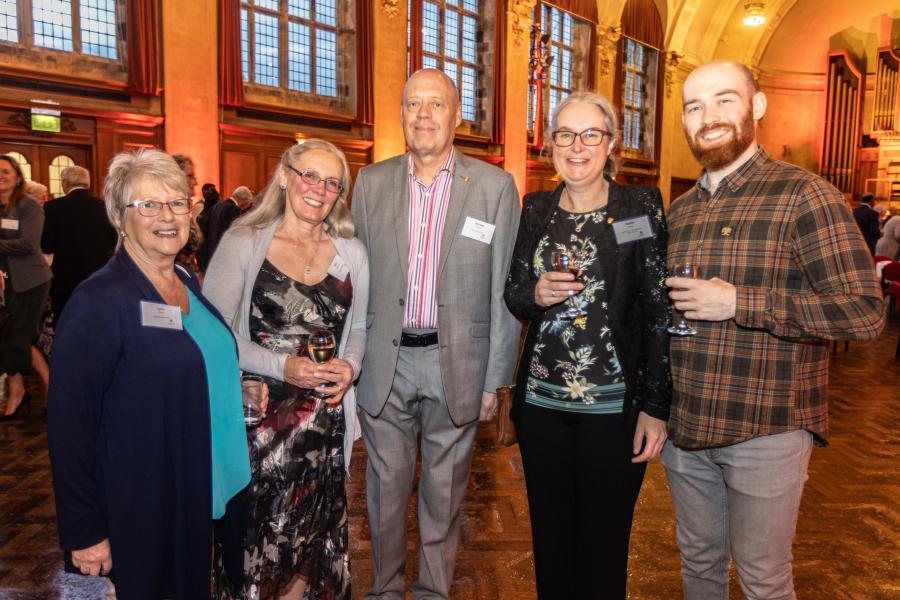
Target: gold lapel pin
{"x": 466, "y": 178}
{"x": 609, "y": 220}
{"x": 726, "y": 232}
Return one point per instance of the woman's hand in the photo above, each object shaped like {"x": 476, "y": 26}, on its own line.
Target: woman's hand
{"x": 339, "y": 374}
{"x": 554, "y": 287}
{"x": 95, "y": 560}
{"x": 301, "y": 372}
{"x": 651, "y": 434}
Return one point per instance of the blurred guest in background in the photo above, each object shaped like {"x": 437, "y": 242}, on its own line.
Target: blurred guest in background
{"x": 77, "y": 233}
{"x": 27, "y": 285}
{"x": 224, "y": 214}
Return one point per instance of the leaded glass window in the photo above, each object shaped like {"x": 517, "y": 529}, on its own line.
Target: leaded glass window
{"x": 85, "y": 27}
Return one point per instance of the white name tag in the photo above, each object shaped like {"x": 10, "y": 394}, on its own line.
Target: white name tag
{"x": 9, "y": 224}
{"x": 632, "y": 230}
{"x": 339, "y": 269}
{"x": 154, "y": 314}
{"x": 478, "y": 230}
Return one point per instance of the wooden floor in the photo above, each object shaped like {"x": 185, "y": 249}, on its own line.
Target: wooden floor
{"x": 847, "y": 547}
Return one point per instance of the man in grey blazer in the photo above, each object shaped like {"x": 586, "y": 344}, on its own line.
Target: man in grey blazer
{"x": 439, "y": 227}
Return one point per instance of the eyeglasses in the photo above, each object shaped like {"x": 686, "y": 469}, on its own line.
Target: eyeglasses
{"x": 588, "y": 137}
{"x": 152, "y": 208}
{"x": 312, "y": 178}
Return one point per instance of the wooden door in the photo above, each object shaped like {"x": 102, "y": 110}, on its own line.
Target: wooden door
{"x": 44, "y": 162}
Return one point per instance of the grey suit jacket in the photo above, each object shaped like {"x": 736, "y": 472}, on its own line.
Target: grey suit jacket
{"x": 477, "y": 334}
{"x": 22, "y": 245}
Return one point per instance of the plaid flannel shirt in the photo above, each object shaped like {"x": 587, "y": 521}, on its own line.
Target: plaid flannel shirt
{"x": 788, "y": 242}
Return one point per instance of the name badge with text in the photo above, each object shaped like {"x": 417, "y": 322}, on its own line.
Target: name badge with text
{"x": 478, "y": 230}
{"x": 339, "y": 269}
{"x": 632, "y": 230}
{"x": 9, "y": 224}
{"x": 154, "y": 314}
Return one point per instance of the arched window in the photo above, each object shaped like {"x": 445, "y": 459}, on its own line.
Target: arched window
{"x": 59, "y": 162}
{"x": 23, "y": 163}
{"x": 81, "y": 26}
{"x": 456, "y": 36}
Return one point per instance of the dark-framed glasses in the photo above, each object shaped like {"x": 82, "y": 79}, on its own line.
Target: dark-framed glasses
{"x": 149, "y": 207}
{"x": 312, "y": 178}
{"x": 588, "y": 137}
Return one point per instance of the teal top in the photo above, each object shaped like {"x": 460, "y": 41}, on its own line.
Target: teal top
{"x": 230, "y": 457}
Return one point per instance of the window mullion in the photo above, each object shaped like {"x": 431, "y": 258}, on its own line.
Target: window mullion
{"x": 76, "y": 26}
{"x": 26, "y": 23}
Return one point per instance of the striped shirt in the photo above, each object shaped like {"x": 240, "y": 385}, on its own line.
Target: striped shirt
{"x": 788, "y": 242}
{"x": 427, "y": 213}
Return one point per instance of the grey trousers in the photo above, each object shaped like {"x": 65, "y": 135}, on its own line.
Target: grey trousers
{"x": 416, "y": 405}
{"x": 743, "y": 498}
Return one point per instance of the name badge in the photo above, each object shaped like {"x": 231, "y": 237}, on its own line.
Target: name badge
{"x": 154, "y": 314}
{"x": 339, "y": 269}
{"x": 478, "y": 230}
{"x": 632, "y": 230}
{"x": 9, "y": 224}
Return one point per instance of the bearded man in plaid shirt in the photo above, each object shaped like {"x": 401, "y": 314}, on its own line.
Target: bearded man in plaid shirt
{"x": 783, "y": 270}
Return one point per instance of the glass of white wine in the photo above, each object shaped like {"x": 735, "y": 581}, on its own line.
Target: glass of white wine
{"x": 321, "y": 348}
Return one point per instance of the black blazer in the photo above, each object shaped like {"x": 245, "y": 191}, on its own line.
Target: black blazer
{"x": 639, "y": 311}
{"x": 220, "y": 219}
{"x": 869, "y": 224}
{"x": 81, "y": 239}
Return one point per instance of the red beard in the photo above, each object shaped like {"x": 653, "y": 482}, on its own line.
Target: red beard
{"x": 723, "y": 153}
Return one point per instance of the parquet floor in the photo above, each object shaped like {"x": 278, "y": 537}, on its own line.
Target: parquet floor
{"x": 847, "y": 547}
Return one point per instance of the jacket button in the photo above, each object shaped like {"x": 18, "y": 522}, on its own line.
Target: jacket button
{"x": 402, "y": 302}
{"x": 395, "y": 342}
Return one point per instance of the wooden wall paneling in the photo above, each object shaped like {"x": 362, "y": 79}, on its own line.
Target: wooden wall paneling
{"x": 540, "y": 175}
{"x": 120, "y": 134}
{"x": 240, "y": 168}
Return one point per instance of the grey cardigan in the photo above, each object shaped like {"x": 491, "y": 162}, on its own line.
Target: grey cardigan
{"x": 20, "y": 242}
{"x": 229, "y": 284}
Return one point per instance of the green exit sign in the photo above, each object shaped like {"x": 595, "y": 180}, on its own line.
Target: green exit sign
{"x": 44, "y": 122}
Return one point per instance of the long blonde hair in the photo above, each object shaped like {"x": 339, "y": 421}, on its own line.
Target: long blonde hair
{"x": 271, "y": 207}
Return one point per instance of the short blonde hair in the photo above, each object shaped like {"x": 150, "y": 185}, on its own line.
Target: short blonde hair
{"x": 609, "y": 113}
{"x": 271, "y": 207}
{"x": 127, "y": 168}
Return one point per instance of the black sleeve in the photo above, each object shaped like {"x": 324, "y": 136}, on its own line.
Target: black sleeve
{"x": 654, "y": 376}
{"x": 48, "y": 235}
{"x": 520, "y": 284}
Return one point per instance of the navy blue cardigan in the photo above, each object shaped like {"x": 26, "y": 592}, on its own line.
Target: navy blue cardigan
{"x": 129, "y": 435}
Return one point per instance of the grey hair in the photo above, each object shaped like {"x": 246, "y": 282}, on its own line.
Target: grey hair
{"x": 127, "y": 169}
{"x": 609, "y": 114}
{"x": 271, "y": 207}
{"x": 243, "y": 193}
{"x": 75, "y": 176}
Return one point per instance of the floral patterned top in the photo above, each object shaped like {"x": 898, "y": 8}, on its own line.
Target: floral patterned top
{"x": 574, "y": 366}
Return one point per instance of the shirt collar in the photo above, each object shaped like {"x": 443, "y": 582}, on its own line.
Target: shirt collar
{"x": 734, "y": 180}
{"x": 449, "y": 165}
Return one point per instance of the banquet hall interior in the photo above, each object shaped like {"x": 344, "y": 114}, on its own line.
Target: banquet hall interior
{"x": 232, "y": 83}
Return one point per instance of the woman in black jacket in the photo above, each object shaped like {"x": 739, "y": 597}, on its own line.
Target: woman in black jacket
{"x": 593, "y": 387}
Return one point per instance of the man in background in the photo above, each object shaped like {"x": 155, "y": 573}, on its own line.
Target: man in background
{"x": 869, "y": 220}
{"x": 223, "y": 215}
{"x": 77, "y": 233}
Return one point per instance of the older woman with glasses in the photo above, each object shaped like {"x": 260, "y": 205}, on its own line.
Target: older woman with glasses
{"x": 285, "y": 273}
{"x": 593, "y": 387}
{"x": 146, "y": 436}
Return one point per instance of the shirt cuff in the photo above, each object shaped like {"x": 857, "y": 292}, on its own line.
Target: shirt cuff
{"x": 751, "y": 307}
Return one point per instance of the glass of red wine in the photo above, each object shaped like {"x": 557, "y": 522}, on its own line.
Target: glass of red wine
{"x": 321, "y": 348}
{"x": 563, "y": 262}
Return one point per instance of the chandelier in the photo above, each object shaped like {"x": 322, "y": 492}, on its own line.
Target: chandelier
{"x": 753, "y": 14}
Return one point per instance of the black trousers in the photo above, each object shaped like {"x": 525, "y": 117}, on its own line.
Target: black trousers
{"x": 20, "y": 330}
{"x": 582, "y": 488}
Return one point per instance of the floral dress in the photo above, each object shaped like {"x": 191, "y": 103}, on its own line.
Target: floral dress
{"x": 574, "y": 366}
{"x": 295, "y": 509}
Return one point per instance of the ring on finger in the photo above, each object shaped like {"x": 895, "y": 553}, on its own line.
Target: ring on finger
{"x": 553, "y": 293}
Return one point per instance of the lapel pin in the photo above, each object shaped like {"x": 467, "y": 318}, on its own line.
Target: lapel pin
{"x": 609, "y": 220}
{"x": 466, "y": 178}
{"x": 725, "y": 232}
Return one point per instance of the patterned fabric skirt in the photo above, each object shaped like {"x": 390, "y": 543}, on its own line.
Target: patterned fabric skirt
{"x": 295, "y": 509}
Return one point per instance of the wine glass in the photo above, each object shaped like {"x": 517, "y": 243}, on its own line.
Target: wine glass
{"x": 252, "y": 394}
{"x": 321, "y": 347}
{"x": 563, "y": 262}
{"x": 682, "y": 328}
